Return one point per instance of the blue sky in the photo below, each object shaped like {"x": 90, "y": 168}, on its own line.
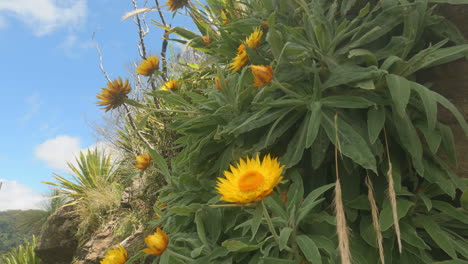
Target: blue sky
{"x": 50, "y": 76}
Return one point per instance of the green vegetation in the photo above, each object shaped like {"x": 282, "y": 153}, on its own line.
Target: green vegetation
{"x": 330, "y": 89}
{"x": 12, "y": 234}
{"x": 93, "y": 189}
{"x": 23, "y": 254}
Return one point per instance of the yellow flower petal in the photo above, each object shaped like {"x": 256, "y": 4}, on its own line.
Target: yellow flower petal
{"x": 170, "y": 85}
{"x": 156, "y": 243}
{"x": 142, "y": 161}
{"x": 115, "y": 256}
{"x": 148, "y": 66}
{"x": 251, "y": 181}
{"x": 262, "y": 75}
{"x": 114, "y": 94}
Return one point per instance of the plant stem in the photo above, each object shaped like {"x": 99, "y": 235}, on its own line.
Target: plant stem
{"x": 177, "y": 255}
{"x": 271, "y": 227}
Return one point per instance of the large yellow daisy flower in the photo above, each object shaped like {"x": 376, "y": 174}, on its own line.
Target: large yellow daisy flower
{"x": 114, "y": 94}
{"x": 251, "y": 181}
{"x": 115, "y": 256}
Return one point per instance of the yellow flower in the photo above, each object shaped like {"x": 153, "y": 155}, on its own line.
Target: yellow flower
{"x": 240, "y": 60}
{"x": 156, "y": 243}
{"x": 148, "y": 66}
{"x": 253, "y": 41}
{"x": 142, "y": 161}
{"x": 116, "y": 256}
{"x": 114, "y": 94}
{"x": 176, "y": 4}
{"x": 170, "y": 85}
{"x": 262, "y": 75}
{"x": 251, "y": 181}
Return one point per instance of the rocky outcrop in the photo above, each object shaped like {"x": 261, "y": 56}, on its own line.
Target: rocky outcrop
{"x": 96, "y": 248}
{"x": 58, "y": 241}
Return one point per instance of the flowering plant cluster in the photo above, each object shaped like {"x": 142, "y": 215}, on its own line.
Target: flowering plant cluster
{"x": 340, "y": 155}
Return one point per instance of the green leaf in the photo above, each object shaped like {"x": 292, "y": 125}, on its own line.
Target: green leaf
{"x": 257, "y": 219}
{"x": 367, "y": 55}
{"x": 409, "y": 139}
{"x": 375, "y": 122}
{"x": 133, "y": 103}
{"x": 297, "y": 144}
{"x": 314, "y": 123}
{"x": 238, "y": 246}
{"x": 350, "y": 73}
{"x": 451, "y": 211}
{"x": 160, "y": 163}
{"x": 410, "y": 236}
{"x": 346, "y": 101}
{"x": 445, "y": 55}
{"x": 400, "y": 91}
{"x": 426, "y": 200}
{"x": 270, "y": 260}
{"x": 448, "y": 143}
{"x": 284, "y": 237}
{"x": 452, "y": 2}
{"x": 429, "y": 102}
{"x": 447, "y": 104}
{"x": 440, "y": 237}
{"x": 201, "y": 228}
{"x": 309, "y": 249}
{"x": 386, "y": 216}
{"x": 351, "y": 143}
{"x": 311, "y": 201}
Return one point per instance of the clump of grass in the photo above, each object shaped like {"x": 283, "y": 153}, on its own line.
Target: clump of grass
{"x": 23, "y": 254}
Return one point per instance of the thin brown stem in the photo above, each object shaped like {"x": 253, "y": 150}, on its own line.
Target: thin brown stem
{"x": 164, "y": 43}
{"x": 132, "y": 123}
{"x": 96, "y": 45}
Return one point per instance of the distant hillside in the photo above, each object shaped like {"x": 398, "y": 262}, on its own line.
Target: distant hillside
{"x": 12, "y": 232}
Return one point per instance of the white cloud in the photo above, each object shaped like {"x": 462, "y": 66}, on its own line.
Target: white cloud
{"x": 57, "y": 151}
{"x": 15, "y": 196}
{"x": 73, "y": 47}
{"x": 46, "y": 16}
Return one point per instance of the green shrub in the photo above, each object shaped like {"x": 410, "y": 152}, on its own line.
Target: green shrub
{"x": 343, "y": 110}
{"x": 23, "y": 254}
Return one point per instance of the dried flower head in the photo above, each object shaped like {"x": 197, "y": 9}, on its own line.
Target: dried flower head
{"x": 114, "y": 94}
{"x": 173, "y": 5}
{"x": 148, "y": 66}
{"x": 156, "y": 243}
{"x": 115, "y": 256}
{"x": 142, "y": 161}
{"x": 262, "y": 75}
{"x": 251, "y": 181}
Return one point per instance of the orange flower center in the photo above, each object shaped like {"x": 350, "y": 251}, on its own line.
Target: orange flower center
{"x": 250, "y": 181}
